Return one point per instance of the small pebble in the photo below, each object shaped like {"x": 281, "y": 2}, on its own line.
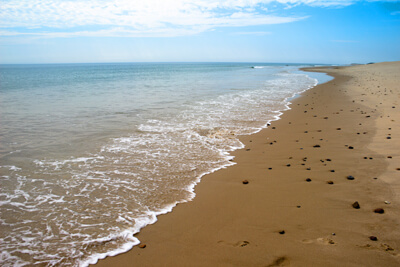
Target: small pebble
{"x": 387, "y": 202}
{"x": 379, "y": 210}
{"x": 350, "y": 177}
{"x": 245, "y": 182}
{"x": 338, "y": 129}
{"x": 282, "y": 232}
{"x": 356, "y": 205}
{"x": 308, "y": 169}
{"x": 350, "y": 147}
{"x": 308, "y": 180}
{"x": 373, "y": 238}
{"x": 317, "y": 146}
{"x": 142, "y": 246}
{"x": 332, "y": 171}
{"x": 329, "y": 182}
{"x": 288, "y": 165}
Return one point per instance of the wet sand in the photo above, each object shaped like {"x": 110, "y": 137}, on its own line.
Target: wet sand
{"x": 338, "y": 145}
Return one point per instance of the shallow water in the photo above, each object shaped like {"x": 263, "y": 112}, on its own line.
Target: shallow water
{"x": 91, "y": 153}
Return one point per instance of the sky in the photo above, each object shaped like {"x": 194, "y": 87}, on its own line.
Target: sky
{"x": 283, "y": 31}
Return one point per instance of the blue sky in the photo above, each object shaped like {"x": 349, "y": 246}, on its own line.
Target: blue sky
{"x": 290, "y": 31}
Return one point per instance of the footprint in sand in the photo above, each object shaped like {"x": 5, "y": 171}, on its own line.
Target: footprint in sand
{"x": 321, "y": 240}
{"x": 237, "y": 244}
{"x": 384, "y": 247}
{"x": 280, "y": 261}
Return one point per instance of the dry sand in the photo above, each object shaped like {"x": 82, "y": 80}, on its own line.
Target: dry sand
{"x": 347, "y": 127}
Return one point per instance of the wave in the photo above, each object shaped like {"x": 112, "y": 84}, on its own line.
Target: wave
{"x": 95, "y": 203}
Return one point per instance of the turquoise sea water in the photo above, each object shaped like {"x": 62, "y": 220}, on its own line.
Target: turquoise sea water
{"x": 91, "y": 153}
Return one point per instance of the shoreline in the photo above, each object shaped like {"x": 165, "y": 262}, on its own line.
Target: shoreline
{"x": 279, "y": 218}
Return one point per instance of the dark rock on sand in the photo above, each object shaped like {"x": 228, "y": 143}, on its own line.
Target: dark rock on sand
{"x": 350, "y": 147}
{"x": 329, "y": 182}
{"x": 379, "y": 210}
{"x": 142, "y": 246}
{"x": 373, "y": 238}
{"x": 350, "y": 177}
{"x": 282, "y": 232}
{"x": 356, "y": 205}
{"x": 308, "y": 180}
{"x": 317, "y": 146}
{"x": 245, "y": 182}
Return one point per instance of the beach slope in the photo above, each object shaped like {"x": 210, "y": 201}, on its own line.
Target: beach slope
{"x": 322, "y": 187}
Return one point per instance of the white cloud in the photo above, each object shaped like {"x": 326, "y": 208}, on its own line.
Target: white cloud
{"x": 64, "y": 18}
{"x": 252, "y": 33}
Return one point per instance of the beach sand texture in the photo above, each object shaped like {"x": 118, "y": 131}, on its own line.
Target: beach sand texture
{"x": 318, "y": 181}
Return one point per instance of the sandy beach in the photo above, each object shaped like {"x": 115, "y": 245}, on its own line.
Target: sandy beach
{"x": 319, "y": 187}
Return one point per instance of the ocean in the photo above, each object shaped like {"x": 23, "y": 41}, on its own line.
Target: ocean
{"x": 92, "y": 153}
